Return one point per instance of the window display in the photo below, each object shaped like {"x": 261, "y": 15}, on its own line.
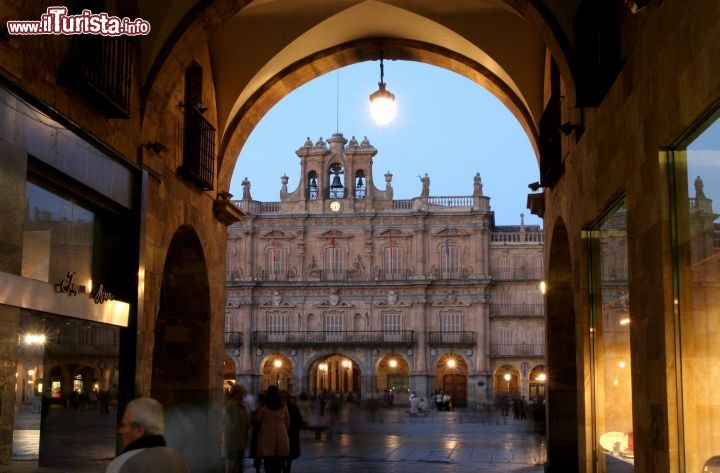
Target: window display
{"x": 697, "y": 238}
{"x": 610, "y": 342}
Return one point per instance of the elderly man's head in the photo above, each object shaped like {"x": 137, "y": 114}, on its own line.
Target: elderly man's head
{"x": 142, "y": 416}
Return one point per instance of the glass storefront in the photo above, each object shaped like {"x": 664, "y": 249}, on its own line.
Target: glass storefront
{"x": 58, "y": 234}
{"x": 610, "y": 343}
{"x": 697, "y": 241}
{"x": 68, "y": 367}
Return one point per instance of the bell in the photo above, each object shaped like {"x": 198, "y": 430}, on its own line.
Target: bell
{"x": 336, "y": 184}
{"x": 313, "y": 183}
{"x": 359, "y": 182}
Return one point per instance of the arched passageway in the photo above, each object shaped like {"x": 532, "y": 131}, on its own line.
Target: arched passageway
{"x": 561, "y": 383}
{"x": 335, "y": 375}
{"x": 451, "y": 377}
{"x": 182, "y": 329}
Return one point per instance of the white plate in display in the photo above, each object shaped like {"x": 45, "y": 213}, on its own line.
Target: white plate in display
{"x": 609, "y": 439}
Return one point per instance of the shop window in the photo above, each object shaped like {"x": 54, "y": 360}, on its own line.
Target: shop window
{"x": 697, "y": 197}
{"x": 610, "y": 342}
{"x": 58, "y": 238}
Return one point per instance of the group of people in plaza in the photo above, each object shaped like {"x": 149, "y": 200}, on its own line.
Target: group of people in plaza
{"x": 266, "y": 430}
{"x": 269, "y": 431}
{"x": 443, "y": 401}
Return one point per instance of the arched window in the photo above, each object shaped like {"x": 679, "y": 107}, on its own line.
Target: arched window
{"x": 336, "y": 177}
{"x": 312, "y": 185}
{"x": 360, "y": 185}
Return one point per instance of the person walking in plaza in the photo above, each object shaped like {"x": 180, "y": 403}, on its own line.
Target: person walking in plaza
{"x": 236, "y": 428}
{"x": 255, "y": 433}
{"x": 141, "y": 433}
{"x": 273, "y": 444}
{"x": 447, "y": 402}
{"x": 414, "y": 405}
{"x": 296, "y": 424}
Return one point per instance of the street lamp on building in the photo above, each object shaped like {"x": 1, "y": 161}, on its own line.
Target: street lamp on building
{"x": 507, "y": 377}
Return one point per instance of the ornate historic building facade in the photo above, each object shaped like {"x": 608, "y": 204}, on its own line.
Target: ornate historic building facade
{"x": 140, "y": 130}
{"x": 340, "y": 287}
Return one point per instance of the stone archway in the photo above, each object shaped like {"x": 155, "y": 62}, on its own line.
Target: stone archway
{"x": 229, "y": 369}
{"x": 336, "y": 374}
{"x": 278, "y": 370}
{"x": 506, "y": 381}
{"x": 451, "y": 376}
{"x": 561, "y": 384}
{"x": 180, "y": 377}
{"x": 182, "y": 328}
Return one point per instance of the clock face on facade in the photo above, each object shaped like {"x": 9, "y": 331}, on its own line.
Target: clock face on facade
{"x": 335, "y": 206}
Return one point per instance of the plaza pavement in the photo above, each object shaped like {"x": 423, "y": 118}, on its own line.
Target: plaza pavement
{"x": 394, "y": 442}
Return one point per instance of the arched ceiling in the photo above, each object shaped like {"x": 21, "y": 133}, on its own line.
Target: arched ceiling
{"x": 261, "y": 50}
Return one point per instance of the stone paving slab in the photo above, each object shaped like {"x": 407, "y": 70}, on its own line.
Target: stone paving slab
{"x": 443, "y": 442}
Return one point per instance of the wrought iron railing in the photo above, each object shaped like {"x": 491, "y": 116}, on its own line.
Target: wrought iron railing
{"x": 70, "y": 347}
{"x": 452, "y": 339}
{"x": 233, "y": 339}
{"x": 199, "y": 149}
{"x": 516, "y": 349}
{"x": 100, "y": 68}
{"x": 351, "y": 338}
{"x": 515, "y": 274}
{"x": 537, "y": 310}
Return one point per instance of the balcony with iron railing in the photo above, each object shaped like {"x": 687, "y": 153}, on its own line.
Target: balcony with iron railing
{"x": 199, "y": 149}
{"x": 516, "y": 274}
{"x": 452, "y": 339}
{"x": 233, "y": 339}
{"x": 516, "y": 310}
{"x": 351, "y": 338}
{"x": 71, "y": 347}
{"x": 516, "y": 350}
{"x": 100, "y": 69}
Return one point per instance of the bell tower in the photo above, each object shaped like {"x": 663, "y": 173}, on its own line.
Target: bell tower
{"x": 337, "y": 171}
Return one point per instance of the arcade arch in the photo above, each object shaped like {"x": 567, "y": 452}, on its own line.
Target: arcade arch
{"x": 182, "y": 328}
{"x": 277, "y": 369}
{"x": 506, "y": 381}
{"x": 451, "y": 376}
{"x": 335, "y": 374}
